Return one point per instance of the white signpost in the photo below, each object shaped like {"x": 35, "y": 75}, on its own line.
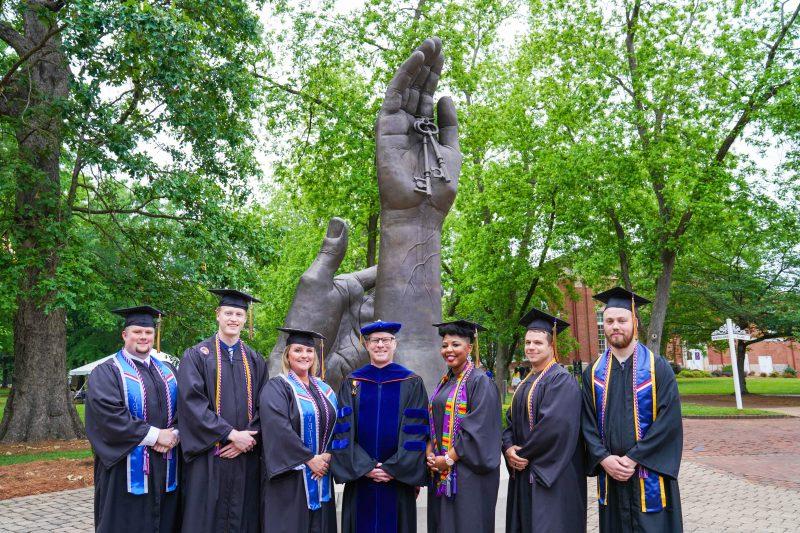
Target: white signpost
{"x": 732, "y": 333}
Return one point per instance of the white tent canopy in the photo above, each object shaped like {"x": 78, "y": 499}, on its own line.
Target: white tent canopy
{"x": 86, "y": 369}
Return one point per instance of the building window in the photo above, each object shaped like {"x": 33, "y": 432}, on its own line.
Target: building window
{"x": 601, "y": 338}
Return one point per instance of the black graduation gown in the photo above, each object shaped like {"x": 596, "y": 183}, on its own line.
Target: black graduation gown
{"x": 283, "y": 494}
{"x": 221, "y": 495}
{"x": 114, "y": 433}
{"x": 550, "y": 494}
{"x": 478, "y": 468}
{"x": 383, "y": 418}
{"x": 659, "y": 451}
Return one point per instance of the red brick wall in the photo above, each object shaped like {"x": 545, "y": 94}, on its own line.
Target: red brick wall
{"x": 782, "y": 353}
{"x": 581, "y": 314}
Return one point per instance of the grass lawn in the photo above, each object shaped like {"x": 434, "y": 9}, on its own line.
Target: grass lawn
{"x": 693, "y": 409}
{"x": 725, "y": 385}
{"x": 6, "y": 460}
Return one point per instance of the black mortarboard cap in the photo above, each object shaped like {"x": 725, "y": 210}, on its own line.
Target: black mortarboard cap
{"x": 234, "y": 298}
{"x": 143, "y": 315}
{"x": 538, "y": 319}
{"x": 622, "y": 298}
{"x": 301, "y": 336}
{"x": 462, "y": 328}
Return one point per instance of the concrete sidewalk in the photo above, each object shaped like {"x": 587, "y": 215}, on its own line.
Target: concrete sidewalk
{"x": 713, "y": 501}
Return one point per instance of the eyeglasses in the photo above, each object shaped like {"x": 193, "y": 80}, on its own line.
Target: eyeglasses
{"x": 382, "y": 340}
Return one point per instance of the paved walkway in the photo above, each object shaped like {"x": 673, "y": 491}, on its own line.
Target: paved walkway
{"x": 737, "y": 476}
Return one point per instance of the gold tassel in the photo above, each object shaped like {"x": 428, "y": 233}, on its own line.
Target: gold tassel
{"x": 477, "y": 350}
{"x": 250, "y": 330}
{"x": 158, "y": 334}
{"x": 322, "y": 358}
{"x": 555, "y": 340}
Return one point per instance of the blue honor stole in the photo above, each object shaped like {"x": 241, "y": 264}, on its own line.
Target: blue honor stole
{"x": 138, "y": 460}
{"x": 317, "y": 491}
{"x": 651, "y": 485}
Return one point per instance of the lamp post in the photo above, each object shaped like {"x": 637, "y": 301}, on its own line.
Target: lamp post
{"x": 732, "y": 333}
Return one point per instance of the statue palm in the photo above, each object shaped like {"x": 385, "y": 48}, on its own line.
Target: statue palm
{"x": 399, "y": 147}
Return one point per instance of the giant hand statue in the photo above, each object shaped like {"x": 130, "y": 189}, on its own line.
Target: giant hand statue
{"x": 408, "y": 286}
{"x": 332, "y": 305}
{"x": 417, "y": 180}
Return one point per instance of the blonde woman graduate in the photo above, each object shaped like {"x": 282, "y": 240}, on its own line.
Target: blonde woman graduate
{"x": 298, "y": 413}
{"x": 542, "y": 443}
{"x": 463, "y": 454}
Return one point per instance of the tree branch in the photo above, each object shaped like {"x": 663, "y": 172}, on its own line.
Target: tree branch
{"x": 633, "y": 69}
{"x": 13, "y": 38}
{"x": 24, "y": 57}
{"x": 52, "y": 5}
{"x": 135, "y": 211}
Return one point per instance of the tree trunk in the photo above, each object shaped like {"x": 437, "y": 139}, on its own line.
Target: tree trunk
{"x": 741, "y": 352}
{"x": 39, "y": 406}
{"x": 501, "y": 368}
{"x": 659, "y": 314}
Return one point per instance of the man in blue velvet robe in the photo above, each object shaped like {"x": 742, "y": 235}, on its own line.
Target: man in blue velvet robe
{"x": 379, "y": 439}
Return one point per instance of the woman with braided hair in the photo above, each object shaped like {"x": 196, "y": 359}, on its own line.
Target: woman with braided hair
{"x": 462, "y": 454}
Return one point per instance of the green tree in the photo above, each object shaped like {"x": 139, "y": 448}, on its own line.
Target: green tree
{"x": 658, "y": 95}
{"x": 126, "y": 118}
{"x": 749, "y": 273}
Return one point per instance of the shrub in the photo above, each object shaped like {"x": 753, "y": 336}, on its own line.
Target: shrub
{"x": 789, "y": 372}
{"x": 774, "y": 374}
{"x": 688, "y": 373}
{"x": 727, "y": 374}
{"x": 727, "y": 368}
{"x": 751, "y": 373}
{"x": 716, "y": 373}
{"x": 763, "y": 374}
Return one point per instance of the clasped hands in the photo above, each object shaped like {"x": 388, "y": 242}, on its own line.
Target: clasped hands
{"x": 319, "y": 465}
{"x": 167, "y": 439}
{"x": 379, "y": 475}
{"x": 515, "y": 461}
{"x": 619, "y": 468}
{"x": 240, "y": 442}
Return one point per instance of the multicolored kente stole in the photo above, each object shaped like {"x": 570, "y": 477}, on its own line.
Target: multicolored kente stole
{"x": 651, "y": 485}
{"x": 454, "y": 410}
{"x": 135, "y": 394}
{"x": 314, "y": 437}
{"x": 248, "y": 383}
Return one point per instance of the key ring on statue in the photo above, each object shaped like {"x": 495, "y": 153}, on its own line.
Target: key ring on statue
{"x": 425, "y": 126}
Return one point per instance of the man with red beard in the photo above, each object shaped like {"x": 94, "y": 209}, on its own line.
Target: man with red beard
{"x": 632, "y": 426}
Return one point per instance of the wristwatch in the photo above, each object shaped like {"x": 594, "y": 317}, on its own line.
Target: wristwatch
{"x": 448, "y": 460}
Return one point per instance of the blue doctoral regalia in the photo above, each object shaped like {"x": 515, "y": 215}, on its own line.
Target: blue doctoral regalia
{"x": 382, "y": 419}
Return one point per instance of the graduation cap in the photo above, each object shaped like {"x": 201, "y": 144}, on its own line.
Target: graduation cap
{"x": 623, "y": 299}
{"x": 242, "y": 300}
{"x": 306, "y": 337}
{"x": 538, "y": 319}
{"x": 463, "y": 328}
{"x": 144, "y": 316}
{"x": 380, "y": 325}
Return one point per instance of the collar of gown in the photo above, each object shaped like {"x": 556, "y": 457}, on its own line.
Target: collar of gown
{"x": 391, "y": 372}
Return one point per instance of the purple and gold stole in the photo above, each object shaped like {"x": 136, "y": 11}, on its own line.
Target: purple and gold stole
{"x": 651, "y": 485}
{"x": 454, "y": 410}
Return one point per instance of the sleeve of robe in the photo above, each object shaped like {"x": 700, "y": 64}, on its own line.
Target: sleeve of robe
{"x": 112, "y": 430}
{"x": 407, "y": 465}
{"x": 507, "y": 438}
{"x": 596, "y": 450}
{"x": 478, "y": 442}
{"x": 262, "y": 377}
{"x": 200, "y": 427}
{"x": 661, "y": 448}
{"x": 557, "y": 429}
{"x": 283, "y": 450}
{"x": 349, "y": 462}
